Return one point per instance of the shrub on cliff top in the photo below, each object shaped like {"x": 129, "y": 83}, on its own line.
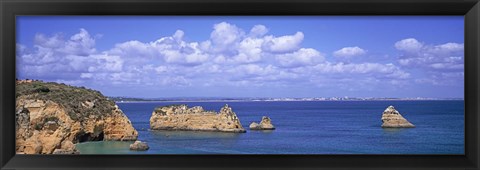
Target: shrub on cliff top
{"x": 43, "y": 89}
{"x": 70, "y": 97}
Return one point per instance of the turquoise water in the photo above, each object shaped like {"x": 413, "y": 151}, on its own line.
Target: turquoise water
{"x": 305, "y": 127}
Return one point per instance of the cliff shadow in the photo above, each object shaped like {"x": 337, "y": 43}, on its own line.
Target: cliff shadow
{"x": 86, "y": 137}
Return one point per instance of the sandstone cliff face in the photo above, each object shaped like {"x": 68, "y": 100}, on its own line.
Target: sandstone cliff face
{"x": 180, "y": 117}
{"x": 51, "y": 120}
{"x": 391, "y": 118}
{"x": 265, "y": 124}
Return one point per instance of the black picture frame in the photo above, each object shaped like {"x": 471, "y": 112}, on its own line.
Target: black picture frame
{"x": 11, "y": 8}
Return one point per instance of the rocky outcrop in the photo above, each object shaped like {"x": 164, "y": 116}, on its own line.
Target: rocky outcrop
{"x": 391, "y": 118}
{"x": 139, "y": 146}
{"x": 51, "y": 118}
{"x": 254, "y": 126}
{"x": 67, "y": 148}
{"x": 265, "y": 124}
{"x": 180, "y": 117}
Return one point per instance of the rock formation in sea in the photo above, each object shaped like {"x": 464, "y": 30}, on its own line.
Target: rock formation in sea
{"x": 139, "y": 146}
{"x": 52, "y": 117}
{"x": 265, "y": 124}
{"x": 391, "y": 118}
{"x": 180, "y": 117}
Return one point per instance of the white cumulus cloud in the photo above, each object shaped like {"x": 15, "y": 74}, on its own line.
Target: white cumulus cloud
{"x": 349, "y": 52}
{"x": 443, "y": 64}
{"x": 282, "y": 44}
{"x": 228, "y": 57}
{"x": 249, "y": 50}
{"x": 409, "y": 45}
{"x": 373, "y": 69}
{"x": 302, "y": 57}
{"x": 258, "y": 30}
{"x": 448, "y": 56}
{"x": 225, "y": 35}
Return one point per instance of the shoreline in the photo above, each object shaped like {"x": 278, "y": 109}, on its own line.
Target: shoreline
{"x": 191, "y": 101}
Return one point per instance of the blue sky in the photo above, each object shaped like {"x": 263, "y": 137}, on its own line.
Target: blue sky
{"x": 226, "y": 56}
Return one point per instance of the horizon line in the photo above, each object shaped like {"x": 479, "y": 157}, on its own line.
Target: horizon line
{"x": 337, "y": 97}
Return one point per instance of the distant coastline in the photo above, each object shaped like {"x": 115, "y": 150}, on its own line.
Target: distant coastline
{"x": 219, "y": 99}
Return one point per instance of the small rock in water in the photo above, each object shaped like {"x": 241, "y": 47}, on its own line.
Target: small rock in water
{"x": 265, "y": 124}
{"x": 254, "y": 125}
{"x": 391, "y": 118}
{"x": 139, "y": 146}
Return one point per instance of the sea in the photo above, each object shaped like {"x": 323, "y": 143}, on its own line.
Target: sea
{"x": 304, "y": 127}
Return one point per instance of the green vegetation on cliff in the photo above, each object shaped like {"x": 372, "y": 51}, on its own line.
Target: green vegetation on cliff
{"x": 70, "y": 97}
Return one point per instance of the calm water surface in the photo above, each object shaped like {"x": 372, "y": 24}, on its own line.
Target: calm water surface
{"x": 313, "y": 127}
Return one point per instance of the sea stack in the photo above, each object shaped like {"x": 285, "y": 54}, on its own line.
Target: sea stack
{"x": 391, "y": 118}
{"x": 51, "y": 118}
{"x": 265, "y": 124}
{"x": 181, "y": 117}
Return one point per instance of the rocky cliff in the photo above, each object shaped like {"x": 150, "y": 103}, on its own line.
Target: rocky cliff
{"x": 391, "y": 118}
{"x": 180, "y": 117}
{"x": 52, "y": 117}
